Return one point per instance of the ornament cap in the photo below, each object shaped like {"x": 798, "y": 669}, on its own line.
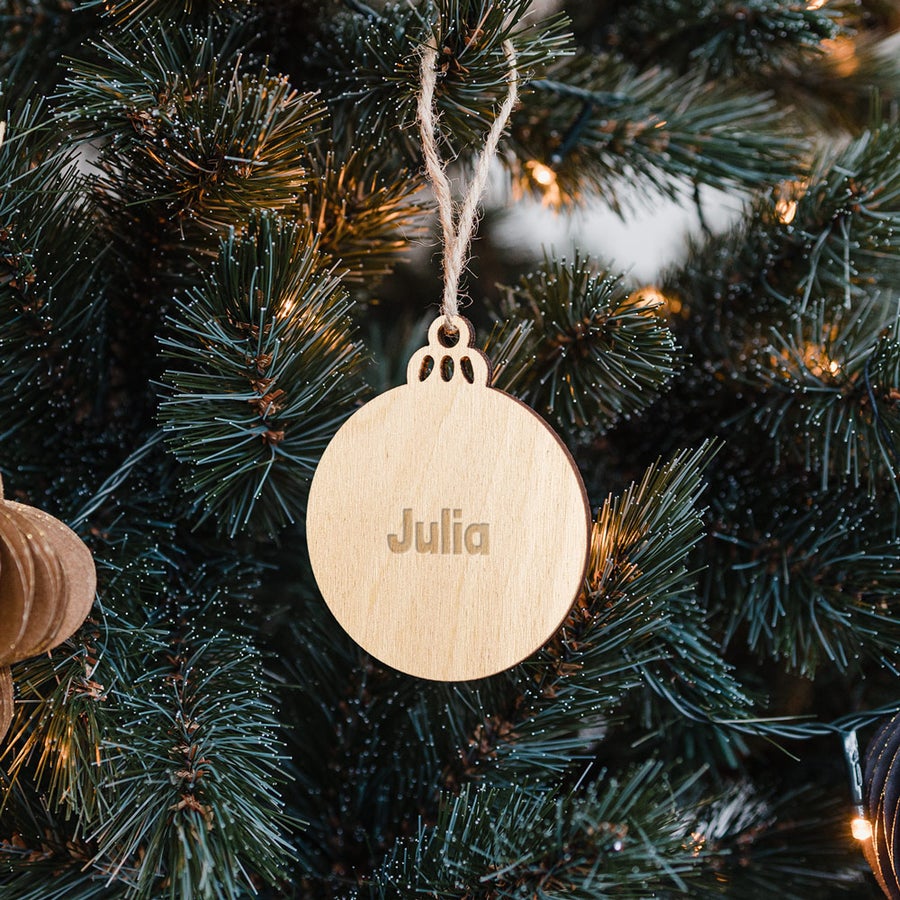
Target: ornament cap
{"x": 450, "y": 357}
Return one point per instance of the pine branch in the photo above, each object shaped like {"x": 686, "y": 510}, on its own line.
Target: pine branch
{"x": 726, "y": 38}
{"x": 638, "y": 558}
{"x": 791, "y": 844}
{"x": 816, "y": 577}
{"x": 262, "y": 370}
{"x": 599, "y": 123}
{"x": 835, "y": 382}
{"x": 856, "y": 79}
{"x": 639, "y": 834}
{"x": 369, "y": 67}
{"x": 830, "y": 235}
{"x": 52, "y": 292}
{"x": 594, "y": 352}
{"x": 207, "y": 815}
{"x": 188, "y": 130}
{"x": 34, "y": 38}
{"x": 130, "y": 12}
{"x": 637, "y": 624}
{"x": 364, "y": 213}
{"x": 842, "y": 239}
{"x": 629, "y": 836}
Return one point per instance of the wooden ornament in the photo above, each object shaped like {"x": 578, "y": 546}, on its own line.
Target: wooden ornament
{"x": 79, "y": 576}
{"x": 16, "y": 587}
{"x": 448, "y": 526}
{"x": 47, "y": 586}
{"x": 43, "y": 616}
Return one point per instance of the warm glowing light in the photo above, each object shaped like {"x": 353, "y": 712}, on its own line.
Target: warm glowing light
{"x": 654, "y": 300}
{"x": 543, "y": 175}
{"x": 649, "y": 298}
{"x": 861, "y": 828}
{"x": 787, "y": 199}
{"x": 699, "y": 842}
{"x": 815, "y": 4}
{"x": 786, "y": 210}
{"x": 842, "y": 55}
{"x": 545, "y": 178}
{"x": 817, "y": 361}
{"x": 286, "y": 309}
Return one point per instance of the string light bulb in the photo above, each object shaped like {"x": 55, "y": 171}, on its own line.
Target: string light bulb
{"x": 655, "y": 301}
{"x": 786, "y": 210}
{"x": 787, "y": 199}
{"x": 543, "y": 175}
{"x": 861, "y": 828}
{"x": 545, "y": 178}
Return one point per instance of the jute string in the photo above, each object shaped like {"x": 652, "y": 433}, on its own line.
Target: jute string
{"x": 458, "y": 234}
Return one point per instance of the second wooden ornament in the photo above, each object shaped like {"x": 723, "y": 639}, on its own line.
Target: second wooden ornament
{"x": 448, "y": 526}
{"x": 47, "y": 585}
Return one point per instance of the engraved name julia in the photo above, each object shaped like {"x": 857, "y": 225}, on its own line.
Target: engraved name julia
{"x": 449, "y": 535}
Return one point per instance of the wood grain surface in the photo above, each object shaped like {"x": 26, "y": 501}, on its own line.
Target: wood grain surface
{"x": 47, "y": 586}
{"x": 448, "y": 527}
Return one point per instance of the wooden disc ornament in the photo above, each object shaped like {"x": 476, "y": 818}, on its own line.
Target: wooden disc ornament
{"x": 882, "y": 806}
{"x": 47, "y": 586}
{"x": 448, "y": 526}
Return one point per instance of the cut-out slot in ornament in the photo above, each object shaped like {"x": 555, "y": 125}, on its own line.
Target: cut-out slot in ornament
{"x": 448, "y": 527}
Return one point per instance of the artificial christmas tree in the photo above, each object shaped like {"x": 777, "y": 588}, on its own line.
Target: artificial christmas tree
{"x": 211, "y": 226}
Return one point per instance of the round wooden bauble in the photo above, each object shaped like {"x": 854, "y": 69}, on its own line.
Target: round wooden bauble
{"x": 16, "y": 586}
{"x": 448, "y": 526}
{"x": 78, "y": 583}
{"x": 44, "y": 612}
{"x": 881, "y": 778}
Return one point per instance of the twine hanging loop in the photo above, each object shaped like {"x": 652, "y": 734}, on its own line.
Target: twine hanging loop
{"x": 457, "y": 228}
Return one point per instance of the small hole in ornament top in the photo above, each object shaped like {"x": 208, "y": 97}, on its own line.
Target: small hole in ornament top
{"x": 465, "y": 366}
{"x": 447, "y": 338}
{"x": 446, "y": 368}
{"x": 426, "y": 368}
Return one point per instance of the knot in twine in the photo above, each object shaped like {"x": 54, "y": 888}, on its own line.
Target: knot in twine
{"x": 457, "y": 236}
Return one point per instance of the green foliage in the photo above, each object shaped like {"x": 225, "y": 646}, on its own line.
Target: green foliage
{"x": 639, "y": 561}
{"x": 758, "y": 839}
{"x": 185, "y": 773}
{"x": 370, "y": 66}
{"x": 129, "y": 12}
{"x": 727, "y": 38}
{"x": 843, "y": 242}
{"x": 364, "y": 219}
{"x": 261, "y": 373}
{"x": 600, "y": 124}
{"x": 638, "y": 624}
{"x": 811, "y": 583}
{"x": 632, "y": 835}
{"x": 33, "y": 38}
{"x": 832, "y": 383}
{"x": 187, "y": 129}
{"x": 52, "y": 292}
{"x": 594, "y": 353}
{"x": 206, "y": 815}
{"x": 830, "y": 235}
